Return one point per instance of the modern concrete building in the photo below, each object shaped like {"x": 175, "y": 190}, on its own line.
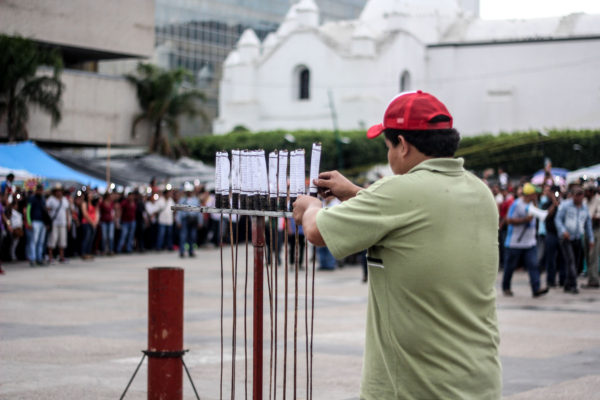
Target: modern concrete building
{"x": 86, "y": 32}
{"x": 503, "y": 75}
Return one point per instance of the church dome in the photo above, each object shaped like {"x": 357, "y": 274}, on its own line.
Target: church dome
{"x": 378, "y": 10}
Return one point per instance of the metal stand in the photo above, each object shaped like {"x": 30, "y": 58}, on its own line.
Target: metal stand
{"x": 213, "y": 210}
{"x": 159, "y": 354}
{"x": 258, "y": 242}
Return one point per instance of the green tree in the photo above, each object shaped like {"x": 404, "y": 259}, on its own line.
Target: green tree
{"x": 163, "y": 98}
{"x": 21, "y": 86}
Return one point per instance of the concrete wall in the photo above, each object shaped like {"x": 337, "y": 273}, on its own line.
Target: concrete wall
{"x": 117, "y": 26}
{"x": 513, "y": 87}
{"x": 94, "y": 107}
{"x": 488, "y": 88}
{"x": 262, "y": 95}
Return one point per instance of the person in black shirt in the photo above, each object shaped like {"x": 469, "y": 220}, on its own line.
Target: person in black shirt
{"x": 37, "y": 215}
{"x": 553, "y": 257}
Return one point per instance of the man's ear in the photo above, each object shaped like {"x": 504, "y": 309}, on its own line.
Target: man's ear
{"x": 404, "y": 146}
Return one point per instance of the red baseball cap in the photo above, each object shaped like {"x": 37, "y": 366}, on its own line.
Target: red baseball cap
{"x": 412, "y": 111}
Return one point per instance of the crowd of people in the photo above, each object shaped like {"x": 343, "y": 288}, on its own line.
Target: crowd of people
{"x": 551, "y": 229}
{"x": 47, "y": 226}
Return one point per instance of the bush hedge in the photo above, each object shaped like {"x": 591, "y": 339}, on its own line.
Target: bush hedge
{"x": 520, "y": 153}
{"x": 357, "y": 154}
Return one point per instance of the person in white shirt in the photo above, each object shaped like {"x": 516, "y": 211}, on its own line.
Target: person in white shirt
{"x": 165, "y": 221}
{"x": 16, "y": 228}
{"x": 58, "y": 208}
{"x": 152, "y": 210}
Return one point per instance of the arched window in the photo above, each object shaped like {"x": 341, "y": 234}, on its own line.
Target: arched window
{"x": 405, "y": 81}
{"x": 303, "y": 84}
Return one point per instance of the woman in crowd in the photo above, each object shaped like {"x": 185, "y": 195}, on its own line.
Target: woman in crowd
{"x": 15, "y": 218}
{"x": 88, "y": 218}
{"x": 107, "y": 223}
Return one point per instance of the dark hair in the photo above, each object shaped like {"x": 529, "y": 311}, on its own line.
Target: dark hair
{"x": 432, "y": 143}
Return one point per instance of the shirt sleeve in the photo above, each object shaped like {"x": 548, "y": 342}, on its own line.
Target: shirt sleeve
{"x": 360, "y": 222}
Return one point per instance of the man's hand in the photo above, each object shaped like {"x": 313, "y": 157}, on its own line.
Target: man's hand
{"x": 591, "y": 244}
{"x": 566, "y": 236}
{"x": 306, "y": 209}
{"x": 334, "y": 183}
{"x": 302, "y": 204}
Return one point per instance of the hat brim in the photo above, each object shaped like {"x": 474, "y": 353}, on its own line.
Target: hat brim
{"x": 375, "y": 131}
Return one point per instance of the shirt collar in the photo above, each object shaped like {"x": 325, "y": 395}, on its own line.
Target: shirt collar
{"x": 444, "y": 165}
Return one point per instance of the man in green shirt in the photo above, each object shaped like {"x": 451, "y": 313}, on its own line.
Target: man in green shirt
{"x": 431, "y": 234}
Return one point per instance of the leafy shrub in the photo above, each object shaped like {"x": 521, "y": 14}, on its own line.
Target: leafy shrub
{"x": 519, "y": 153}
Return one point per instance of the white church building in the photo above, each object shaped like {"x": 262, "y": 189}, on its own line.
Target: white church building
{"x": 494, "y": 75}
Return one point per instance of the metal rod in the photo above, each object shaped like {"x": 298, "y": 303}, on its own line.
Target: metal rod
{"x": 285, "y": 316}
{"x": 276, "y": 284}
{"x": 245, "y": 320}
{"x": 222, "y": 289}
{"x": 296, "y": 267}
{"x": 312, "y": 323}
{"x": 306, "y": 314}
{"x": 271, "y": 301}
{"x": 132, "y": 377}
{"x": 258, "y": 242}
{"x": 234, "y": 327}
{"x": 190, "y": 378}
{"x": 213, "y": 210}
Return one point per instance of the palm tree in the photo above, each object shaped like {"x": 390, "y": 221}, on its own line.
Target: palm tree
{"x": 22, "y": 86}
{"x": 163, "y": 98}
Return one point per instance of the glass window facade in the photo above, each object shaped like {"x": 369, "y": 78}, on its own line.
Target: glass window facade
{"x": 199, "y": 34}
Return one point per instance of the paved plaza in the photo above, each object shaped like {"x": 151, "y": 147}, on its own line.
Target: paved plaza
{"x": 75, "y": 331}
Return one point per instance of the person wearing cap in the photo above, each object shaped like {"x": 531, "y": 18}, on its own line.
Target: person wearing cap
{"x": 58, "y": 208}
{"x": 521, "y": 242}
{"x": 593, "y": 205}
{"x": 431, "y": 234}
{"x": 573, "y": 223}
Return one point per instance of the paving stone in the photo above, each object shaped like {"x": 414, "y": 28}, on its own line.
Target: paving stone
{"x": 76, "y": 331}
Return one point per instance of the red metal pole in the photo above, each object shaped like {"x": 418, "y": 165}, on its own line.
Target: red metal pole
{"x": 258, "y": 242}
{"x": 165, "y": 333}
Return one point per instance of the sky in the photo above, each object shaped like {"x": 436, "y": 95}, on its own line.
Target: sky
{"x": 503, "y": 9}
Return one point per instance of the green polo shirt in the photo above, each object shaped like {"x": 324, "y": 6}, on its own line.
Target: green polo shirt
{"x": 432, "y": 240}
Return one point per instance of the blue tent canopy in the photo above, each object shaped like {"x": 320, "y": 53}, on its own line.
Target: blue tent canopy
{"x": 29, "y": 157}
